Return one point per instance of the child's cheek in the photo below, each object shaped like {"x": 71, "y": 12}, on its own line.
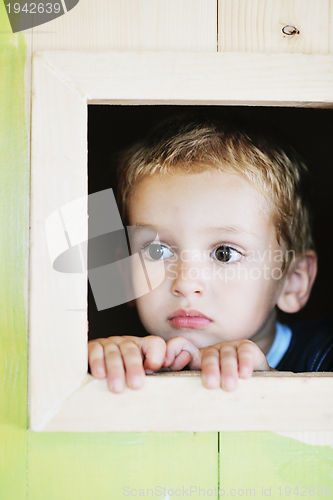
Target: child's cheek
{"x": 139, "y": 280}
{"x": 146, "y": 275}
{"x": 155, "y": 273}
{"x": 147, "y": 313}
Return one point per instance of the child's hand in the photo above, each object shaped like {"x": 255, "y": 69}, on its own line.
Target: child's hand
{"x": 222, "y": 364}
{"x": 125, "y": 358}
{"x": 181, "y": 352}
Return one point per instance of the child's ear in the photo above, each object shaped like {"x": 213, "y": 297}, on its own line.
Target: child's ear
{"x": 298, "y": 283}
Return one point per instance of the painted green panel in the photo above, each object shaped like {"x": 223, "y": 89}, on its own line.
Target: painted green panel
{"x": 14, "y": 225}
{"x": 264, "y": 464}
{"x": 69, "y": 466}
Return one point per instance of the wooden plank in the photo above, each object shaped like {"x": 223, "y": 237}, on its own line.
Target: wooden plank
{"x": 15, "y": 53}
{"x": 189, "y": 25}
{"x": 58, "y": 300}
{"x": 256, "y": 26}
{"x": 171, "y": 402}
{"x": 114, "y": 466}
{"x": 330, "y": 27}
{"x": 263, "y": 464}
{"x": 189, "y": 78}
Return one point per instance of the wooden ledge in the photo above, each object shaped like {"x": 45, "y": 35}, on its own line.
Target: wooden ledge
{"x": 177, "y": 402}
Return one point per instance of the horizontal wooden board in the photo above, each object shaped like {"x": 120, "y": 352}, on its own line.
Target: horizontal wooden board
{"x": 196, "y": 78}
{"x": 179, "y": 402}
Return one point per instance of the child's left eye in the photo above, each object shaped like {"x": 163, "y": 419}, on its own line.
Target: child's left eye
{"x": 223, "y": 253}
{"x": 157, "y": 251}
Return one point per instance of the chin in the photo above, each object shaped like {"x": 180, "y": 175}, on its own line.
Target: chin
{"x": 197, "y": 337}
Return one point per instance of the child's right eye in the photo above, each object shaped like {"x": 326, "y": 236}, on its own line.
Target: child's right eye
{"x": 156, "y": 251}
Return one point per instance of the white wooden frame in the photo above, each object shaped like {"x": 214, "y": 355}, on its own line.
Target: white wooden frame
{"x": 62, "y": 397}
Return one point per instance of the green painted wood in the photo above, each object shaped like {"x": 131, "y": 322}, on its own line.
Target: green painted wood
{"x": 14, "y": 225}
{"x": 69, "y": 466}
{"x": 264, "y": 464}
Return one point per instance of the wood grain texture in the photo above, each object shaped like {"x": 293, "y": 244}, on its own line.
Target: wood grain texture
{"x": 171, "y": 403}
{"x": 14, "y": 227}
{"x": 197, "y": 78}
{"x": 88, "y": 466}
{"x": 189, "y": 25}
{"x": 58, "y": 300}
{"x": 256, "y": 26}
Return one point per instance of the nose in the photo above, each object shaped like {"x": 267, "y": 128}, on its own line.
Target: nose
{"x": 189, "y": 280}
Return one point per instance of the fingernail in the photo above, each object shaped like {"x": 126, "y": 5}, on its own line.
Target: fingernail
{"x": 136, "y": 382}
{"x": 117, "y": 385}
{"x": 99, "y": 371}
{"x": 245, "y": 371}
{"x": 229, "y": 384}
{"x": 209, "y": 381}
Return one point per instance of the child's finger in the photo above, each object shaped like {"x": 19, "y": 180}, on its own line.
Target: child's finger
{"x": 132, "y": 362}
{"x": 114, "y": 367}
{"x": 153, "y": 349}
{"x": 246, "y": 357}
{"x": 229, "y": 367}
{"x": 181, "y": 360}
{"x": 210, "y": 366}
{"x": 96, "y": 359}
{"x": 250, "y": 358}
{"x": 180, "y": 352}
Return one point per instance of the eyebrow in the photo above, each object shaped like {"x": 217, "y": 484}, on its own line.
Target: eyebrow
{"x": 227, "y": 229}
{"x": 232, "y": 229}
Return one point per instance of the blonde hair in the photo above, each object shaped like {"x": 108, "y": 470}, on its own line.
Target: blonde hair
{"x": 186, "y": 146}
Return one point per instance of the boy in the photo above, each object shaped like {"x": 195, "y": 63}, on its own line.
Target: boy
{"x": 228, "y": 206}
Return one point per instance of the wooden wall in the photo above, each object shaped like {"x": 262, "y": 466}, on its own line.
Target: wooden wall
{"x": 61, "y": 466}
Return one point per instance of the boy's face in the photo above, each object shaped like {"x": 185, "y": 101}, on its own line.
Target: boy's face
{"x": 221, "y": 256}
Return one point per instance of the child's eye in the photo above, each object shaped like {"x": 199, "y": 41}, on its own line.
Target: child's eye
{"x": 156, "y": 251}
{"x": 223, "y": 253}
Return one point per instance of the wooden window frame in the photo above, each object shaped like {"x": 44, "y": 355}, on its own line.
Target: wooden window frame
{"x": 62, "y": 396}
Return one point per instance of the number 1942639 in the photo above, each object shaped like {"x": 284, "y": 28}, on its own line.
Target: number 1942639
{"x": 34, "y": 8}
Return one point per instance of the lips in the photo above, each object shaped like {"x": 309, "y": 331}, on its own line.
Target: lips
{"x": 190, "y": 313}
{"x": 188, "y": 319}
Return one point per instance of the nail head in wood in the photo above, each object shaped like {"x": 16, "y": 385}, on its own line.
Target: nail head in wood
{"x": 290, "y": 30}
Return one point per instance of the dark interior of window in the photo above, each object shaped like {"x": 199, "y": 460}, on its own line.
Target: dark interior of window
{"x": 111, "y": 129}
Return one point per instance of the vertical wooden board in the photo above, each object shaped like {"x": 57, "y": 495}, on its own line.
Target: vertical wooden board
{"x": 256, "y": 26}
{"x": 330, "y": 26}
{"x": 187, "y": 25}
{"x": 58, "y": 300}
{"x": 64, "y": 466}
{"x": 267, "y": 464}
{"x": 14, "y": 227}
